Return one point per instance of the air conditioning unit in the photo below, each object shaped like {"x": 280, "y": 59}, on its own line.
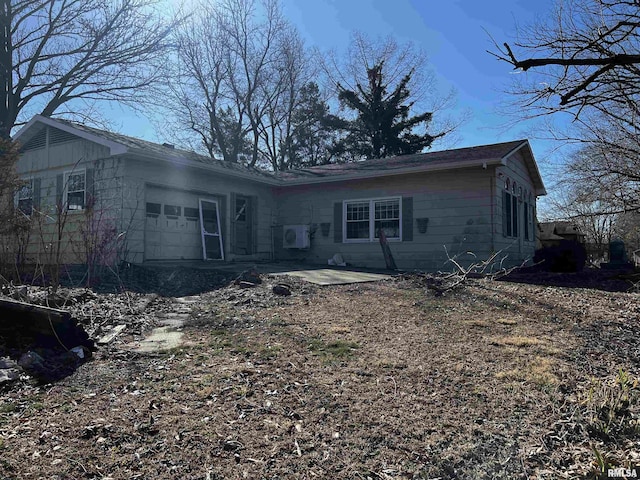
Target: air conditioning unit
{"x": 295, "y": 236}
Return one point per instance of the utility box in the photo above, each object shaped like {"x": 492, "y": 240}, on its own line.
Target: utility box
{"x": 295, "y": 236}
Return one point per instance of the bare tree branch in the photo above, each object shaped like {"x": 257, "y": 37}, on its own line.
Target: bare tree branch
{"x": 56, "y": 52}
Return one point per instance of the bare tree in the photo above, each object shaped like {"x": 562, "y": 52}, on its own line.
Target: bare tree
{"x": 13, "y": 223}
{"x": 282, "y": 97}
{"x": 240, "y": 67}
{"x": 585, "y": 56}
{"x": 56, "y": 53}
{"x": 203, "y": 99}
{"x": 584, "y": 60}
{"x": 589, "y": 210}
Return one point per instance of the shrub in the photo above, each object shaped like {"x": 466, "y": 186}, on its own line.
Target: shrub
{"x": 568, "y": 256}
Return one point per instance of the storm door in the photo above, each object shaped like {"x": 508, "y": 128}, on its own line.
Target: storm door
{"x": 210, "y": 230}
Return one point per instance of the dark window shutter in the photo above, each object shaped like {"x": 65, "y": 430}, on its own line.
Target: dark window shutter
{"x": 232, "y": 222}
{"x": 222, "y": 212}
{"x": 254, "y": 224}
{"x": 36, "y": 193}
{"x": 337, "y": 222}
{"x": 533, "y": 223}
{"x": 59, "y": 190}
{"x": 506, "y": 213}
{"x": 89, "y": 187}
{"x": 407, "y": 219}
{"x": 514, "y": 211}
{"x": 525, "y": 220}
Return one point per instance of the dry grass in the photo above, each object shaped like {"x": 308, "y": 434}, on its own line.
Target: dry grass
{"x": 517, "y": 341}
{"x": 538, "y": 371}
{"x": 367, "y": 381}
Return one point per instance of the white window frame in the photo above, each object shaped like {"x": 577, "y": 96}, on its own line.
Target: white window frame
{"x": 65, "y": 197}
{"x": 17, "y": 195}
{"x": 372, "y": 221}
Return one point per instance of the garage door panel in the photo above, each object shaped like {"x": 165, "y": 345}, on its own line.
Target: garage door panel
{"x": 172, "y": 237}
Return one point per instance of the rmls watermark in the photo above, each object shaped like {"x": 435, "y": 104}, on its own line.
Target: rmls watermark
{"x": 620, "y": 472}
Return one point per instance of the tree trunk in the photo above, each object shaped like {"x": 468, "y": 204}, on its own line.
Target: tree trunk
{"x": 6, "y": 71}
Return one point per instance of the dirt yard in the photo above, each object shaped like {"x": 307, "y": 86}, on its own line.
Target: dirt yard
{"x": 368, "y": 381}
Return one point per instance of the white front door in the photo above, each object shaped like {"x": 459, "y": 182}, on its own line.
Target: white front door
{"x": 210, "y": 230}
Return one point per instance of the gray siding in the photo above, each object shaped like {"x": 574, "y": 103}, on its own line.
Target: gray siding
{"x": 200, "y": 183}
{"x": 47, "y": 166}
{"x": 518, "y": 249}
{"x": 462, "y": 209}
{"x": 457, "y": 205}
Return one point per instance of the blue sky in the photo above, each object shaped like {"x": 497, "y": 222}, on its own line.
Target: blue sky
{"x": 453, "y": 33}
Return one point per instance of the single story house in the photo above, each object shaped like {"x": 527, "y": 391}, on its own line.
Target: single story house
{"x": 163, "y": 203}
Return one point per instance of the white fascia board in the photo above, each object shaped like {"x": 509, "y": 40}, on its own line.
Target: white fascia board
{"x": 531, "y": 162}
{"x": 115, "y": 148}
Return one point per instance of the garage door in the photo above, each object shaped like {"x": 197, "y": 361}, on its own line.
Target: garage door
{"x": 172, "y": 230}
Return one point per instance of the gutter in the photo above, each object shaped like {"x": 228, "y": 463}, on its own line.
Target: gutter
{"x": 279, "y": 182}
{"x": 183, "y": 162}
{"x": 400, "y": 171}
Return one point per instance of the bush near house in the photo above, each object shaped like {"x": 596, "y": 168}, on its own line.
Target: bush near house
{"x": 566, "y": 256}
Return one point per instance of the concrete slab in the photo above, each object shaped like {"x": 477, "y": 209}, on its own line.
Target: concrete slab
{"x": 329, "y": 276}
{"x": 318, "y": 274}
{"x": 160, "y": 339}
{"x": 164, "y": 337}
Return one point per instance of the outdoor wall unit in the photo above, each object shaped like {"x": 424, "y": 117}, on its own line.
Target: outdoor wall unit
{"x": 295, "y": 236}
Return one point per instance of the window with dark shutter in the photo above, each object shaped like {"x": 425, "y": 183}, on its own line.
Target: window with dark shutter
{"x": 337, "y": 222}
{"x": 76, "y": 190}
{"x": 407, "y": 219}
{"x": 365, "y": 218}
{"x": 25, "y": 198}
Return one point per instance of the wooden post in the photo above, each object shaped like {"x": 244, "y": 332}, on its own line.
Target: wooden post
{"x": 386, "y": 251}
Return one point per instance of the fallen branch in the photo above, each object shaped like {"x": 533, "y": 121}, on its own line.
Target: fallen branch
{"x": 442, "y": 282}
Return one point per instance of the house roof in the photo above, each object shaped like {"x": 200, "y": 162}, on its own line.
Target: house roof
{"x": 482, "y": 155}
{"x": 122, "y": 144}
{"x": 478, "y": 156}
{"x": 558, "y": 230}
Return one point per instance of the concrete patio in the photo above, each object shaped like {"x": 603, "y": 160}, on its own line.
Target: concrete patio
{"x": 317, "y": 274}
